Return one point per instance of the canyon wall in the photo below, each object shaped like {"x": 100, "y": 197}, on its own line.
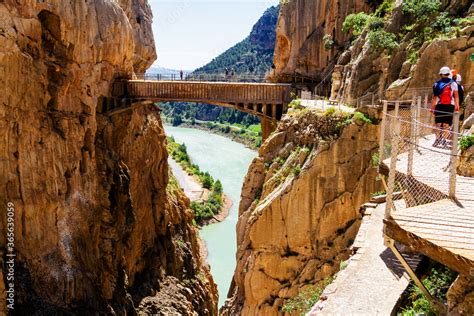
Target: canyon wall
{"x": 300, "y": 31}
{"x": 362, "y": 69}
{"x": 97, "y": 227}
{"x": 357, "y": 68}
{"x": 299, "y": 211}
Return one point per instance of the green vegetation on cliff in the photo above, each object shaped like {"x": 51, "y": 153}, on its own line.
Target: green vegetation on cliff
{"x": 437, "y": 283}
{"x": 254, "y": 55}
{"x": 304, "y": 301}
{"x": 465, "y": 142}
{"x": 213, "y": 204}
{"x": 422, "y": 22}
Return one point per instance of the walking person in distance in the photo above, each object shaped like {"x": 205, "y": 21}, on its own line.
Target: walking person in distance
{"x": 445, "y": 101}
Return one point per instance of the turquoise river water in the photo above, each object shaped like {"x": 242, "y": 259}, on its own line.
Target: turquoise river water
{"x": 227, "y": 161}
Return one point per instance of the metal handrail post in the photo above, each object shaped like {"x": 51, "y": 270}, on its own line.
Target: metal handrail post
{"x": 454, "y": 154}
{"x": 411, "y": 148}
{"x": 390, "y": 207}
{"x": 418, "y": 120}
{"x": 382, "y": 133}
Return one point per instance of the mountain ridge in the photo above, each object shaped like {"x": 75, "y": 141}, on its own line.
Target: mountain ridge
{"x": 254, "y": 54}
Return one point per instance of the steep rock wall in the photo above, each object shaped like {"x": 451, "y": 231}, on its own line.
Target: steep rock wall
{"x": 356, "y": 68}
{"x": 461, "y": 296}
{"x": 95, "y": 228}
{"x": 299, "y": 211}
{"x": 300, "y": 31}
{"x": 366, "y": 70}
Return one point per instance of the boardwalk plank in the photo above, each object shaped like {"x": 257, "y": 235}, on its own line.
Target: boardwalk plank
{"x": 443, "y": 230}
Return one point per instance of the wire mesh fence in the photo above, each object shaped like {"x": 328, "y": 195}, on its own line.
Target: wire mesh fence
{"x": 418, "y": 156}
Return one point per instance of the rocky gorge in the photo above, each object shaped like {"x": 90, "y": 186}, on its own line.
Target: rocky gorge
{"x": 97, "y": 229}
{"x": 100, "y": 229}
{"x": 299, "y": 211}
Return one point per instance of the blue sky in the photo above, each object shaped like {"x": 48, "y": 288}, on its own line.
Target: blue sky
{"x": 189, "y": 33}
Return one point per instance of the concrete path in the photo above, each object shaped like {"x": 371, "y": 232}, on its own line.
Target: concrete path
{"x": 324, "y": 105}
{"x": 373, "y": 281}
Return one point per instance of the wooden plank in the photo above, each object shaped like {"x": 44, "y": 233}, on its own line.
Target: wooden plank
{"x": 469, "y": 254}
{"x": 444, "y": 205}
{"x": 455, "y": 261}
{"x": 440, "y": 231}
{"x": 438, "y": 224}
{"x": 462, "y": 242}
{"x": 433, "y": 220}
{"x": 448, "y": 213}
{"x": 408, "y": 224}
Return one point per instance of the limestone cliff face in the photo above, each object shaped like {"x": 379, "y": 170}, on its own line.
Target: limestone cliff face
{"x": 356, "y": 68}
{"x": 362, "y": 69}
{"x": 301, "y": 28}
{"x": 299, "y": 211}
{"x": 96, "y": 229}
{"x": 461, "y": 296}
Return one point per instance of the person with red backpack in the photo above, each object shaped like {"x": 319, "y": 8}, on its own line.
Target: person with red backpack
{"x": 445, "y": 102}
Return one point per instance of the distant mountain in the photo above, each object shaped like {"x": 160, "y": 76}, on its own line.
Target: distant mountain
{"x": 164, "y": 71}
{"x": 254, "y": 55}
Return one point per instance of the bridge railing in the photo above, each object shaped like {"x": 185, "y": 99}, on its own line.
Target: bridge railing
{"x": 201, "y": 77}
{"x": 421, "y": 158}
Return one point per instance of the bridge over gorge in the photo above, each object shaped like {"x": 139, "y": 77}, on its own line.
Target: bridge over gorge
{"x": 268, "y": 101}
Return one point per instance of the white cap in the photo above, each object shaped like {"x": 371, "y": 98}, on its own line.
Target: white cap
{"x": 445, "y": 71}
{"x": 458, "y": 78}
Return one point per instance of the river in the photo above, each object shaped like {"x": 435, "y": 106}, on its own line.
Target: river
{"x": 227, "y": 161}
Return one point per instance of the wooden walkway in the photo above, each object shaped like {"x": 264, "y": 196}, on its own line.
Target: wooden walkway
{"x": 444, "y": 229}
{"x": 266, "y": 100}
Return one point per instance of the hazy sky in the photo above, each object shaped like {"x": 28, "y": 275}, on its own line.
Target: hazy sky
{"x": 189, "y": 33}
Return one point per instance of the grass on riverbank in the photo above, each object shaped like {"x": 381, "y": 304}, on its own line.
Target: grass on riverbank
{"x": 249, "y": 135}
{"x": 203, "y": 210}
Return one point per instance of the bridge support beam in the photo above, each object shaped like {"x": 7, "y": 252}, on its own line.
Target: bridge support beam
{"x": 268, "y": 127}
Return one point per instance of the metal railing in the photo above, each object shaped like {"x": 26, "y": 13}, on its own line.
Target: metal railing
{"x": 404, "y": 95}
{"x": 220, "y": 77}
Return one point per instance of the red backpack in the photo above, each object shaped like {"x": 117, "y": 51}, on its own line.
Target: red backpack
{"x": 446, "y": 95}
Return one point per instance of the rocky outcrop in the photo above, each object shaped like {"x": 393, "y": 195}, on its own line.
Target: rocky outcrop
{"x": 96, "y": 230}
{"x": 301, "y": 28}
{"x": 354, "y": 65}
{"x": 396, "y": 75}
{"x": 299, "y": 211}
{"x": 461, "y": 296}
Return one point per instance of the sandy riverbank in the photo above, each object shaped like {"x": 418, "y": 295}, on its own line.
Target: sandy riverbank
{"x": 195, "y": 191}
{"x": 216, "y": 219}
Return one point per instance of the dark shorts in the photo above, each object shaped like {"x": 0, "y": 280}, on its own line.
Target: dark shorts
{"x": 444, "y": 114}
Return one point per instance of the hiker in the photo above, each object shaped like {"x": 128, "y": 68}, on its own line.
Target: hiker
{"x": 181, "y": 75}
{"x": 226, "y": 73}
{"x": 457, "y": 78}
{"x": 445, "y": 101}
